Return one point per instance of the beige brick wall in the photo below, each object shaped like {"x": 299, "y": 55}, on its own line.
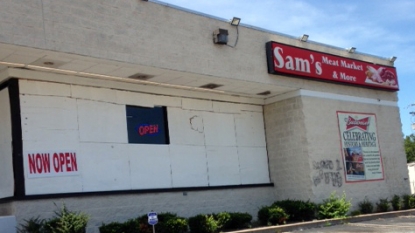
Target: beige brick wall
{"x": 303, "y": 133}
{"x": 324, "y": 144}
{"x": 151, "y": 34}
{"x": 287, "y": 146}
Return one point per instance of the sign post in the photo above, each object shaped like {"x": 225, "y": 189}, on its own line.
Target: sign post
{"x": 152, "y": 219}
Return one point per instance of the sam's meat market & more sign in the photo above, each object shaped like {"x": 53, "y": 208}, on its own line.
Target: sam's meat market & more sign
{"x": 285, "y": 59}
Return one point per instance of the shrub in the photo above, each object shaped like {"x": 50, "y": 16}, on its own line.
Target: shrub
{"x": 263, "y": 216}
{"x": 408, "y": 201}
{"x": 277, "y": 215}
{"x": 167, "y": 223}
{"x": 202, "y": 224}
{"x": 272, "y": 215}
{"x": 130, "y": 225}
{"x": 365, "y": 206}
{"x": 232, "y": 221}
{"x": 396, "y": 202}
{"x": 355, "y": 213}
{"x": 298, "y": 210}
{"x": 113, "y": 227}
{"x": 383, "y": 205}
{"x": 238, "y": 221}
{"x": 222, "y": 219}
{"x": 174, "y": 225}
{"x": 67, "y": 221}
{"x": 334, "y": 207}
{"x": 33, "y": 225}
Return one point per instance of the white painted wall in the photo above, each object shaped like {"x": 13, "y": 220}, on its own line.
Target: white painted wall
{"x": 6, "y": 160}
{"x": 212, "y": 143}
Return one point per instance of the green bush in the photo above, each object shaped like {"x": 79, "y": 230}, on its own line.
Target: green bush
{"x": 334, "y": 207}
{"x": 167, "y": 223}
{"x": 113, "y": 227}
{"x": 131, "y": 225}
{"x": 272, "y": 215}
{"x": 396, "y": 202}
{"x": 33, "y": 225}
{"x": 408, "y": 201}
{"x": 365, "y": 206}
{"x": 239, "y": 221}
{"x": 65, "y": 221}
{"x": 298, "y": 210}
{"x": 233, "y": 221}
{"x": 203, "y": 224}
{"x": 355, "y": 213}
{"x": 383, "y": 205}
{"x": 222, "y": 219}
{"x": 175, "y": 225}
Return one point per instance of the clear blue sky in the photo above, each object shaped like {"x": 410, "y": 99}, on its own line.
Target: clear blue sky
{"x": 381, "y": 28}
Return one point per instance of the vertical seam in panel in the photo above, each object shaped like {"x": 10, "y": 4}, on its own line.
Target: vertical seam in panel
{"x": 237, "y": 147}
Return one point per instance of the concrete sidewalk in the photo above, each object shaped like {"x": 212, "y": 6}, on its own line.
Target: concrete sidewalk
{"x": 328, "y": 222}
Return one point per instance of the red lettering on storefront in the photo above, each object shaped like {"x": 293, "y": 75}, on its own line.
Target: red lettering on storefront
{"x": 61, "y": 161}
{"x": 148, "y": 129}
{"x": 73, "y": 162}
{"x": 51, "y": 163}
{"x": 39, "y": 163}
{"x": 56, "y": 162}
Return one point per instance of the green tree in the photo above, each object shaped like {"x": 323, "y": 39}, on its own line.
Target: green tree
{"x": 410, "y": 148}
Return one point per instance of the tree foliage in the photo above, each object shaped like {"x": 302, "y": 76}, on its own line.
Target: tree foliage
{"x": 409, "y": 143}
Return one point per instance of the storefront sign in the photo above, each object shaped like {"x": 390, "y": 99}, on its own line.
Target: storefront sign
{"x": 51, "y": 163}
{"x": 360, "y": 146}
{"x": 285, "y": 59}
{"x": 147, "y": 125}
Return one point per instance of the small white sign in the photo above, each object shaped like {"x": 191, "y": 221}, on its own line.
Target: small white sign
{"x": 152, "y": 218}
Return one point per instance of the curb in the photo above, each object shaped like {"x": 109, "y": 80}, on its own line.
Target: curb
{"x": 327, "y": 222}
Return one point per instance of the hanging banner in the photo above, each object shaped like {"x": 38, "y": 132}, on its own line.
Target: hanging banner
{"x": 51, "y": 163}
{"x": 290, "y": 60}
{"x": 360, "y": 146}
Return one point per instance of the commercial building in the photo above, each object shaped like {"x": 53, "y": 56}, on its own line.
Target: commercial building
{"x": 117, "y": 108}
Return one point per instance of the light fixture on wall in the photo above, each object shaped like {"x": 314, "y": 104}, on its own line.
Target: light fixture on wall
{"x": 392, "y": 59}
{"x": 235, "y": 21}
{"x": 220, "y": 36}
{"x": 351, "y": 50}
{"x": 304, "y": 38}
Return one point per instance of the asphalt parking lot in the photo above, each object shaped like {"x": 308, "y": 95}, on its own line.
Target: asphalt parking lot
{"x": 394, "y": 221}
{"x": 395, "y": 224}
